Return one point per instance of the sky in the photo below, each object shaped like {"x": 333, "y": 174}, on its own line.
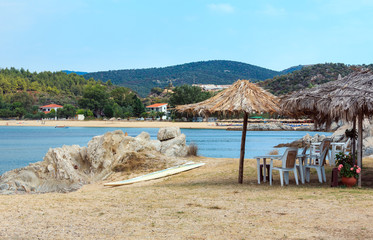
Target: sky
{"x": 101, "y": 35}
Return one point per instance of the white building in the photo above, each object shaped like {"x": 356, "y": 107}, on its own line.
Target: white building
{"x": 158, "y": 107}
{"x": 48, "y": 108}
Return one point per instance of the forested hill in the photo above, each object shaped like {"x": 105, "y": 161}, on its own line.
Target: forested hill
{"x": 78, "y": 73}
{"x": 204, "y": 72}
{"x": 307, "y": 77}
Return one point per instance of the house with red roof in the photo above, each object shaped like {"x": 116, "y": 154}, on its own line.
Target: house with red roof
{"x": 48, "y": 108}
{"x": 158, "y": 107}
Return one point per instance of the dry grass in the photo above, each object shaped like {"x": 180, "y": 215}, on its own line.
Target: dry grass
{"x": 204, "y": 203}
{"x": 273, "y": 152}
{"x": 193, "y": 149}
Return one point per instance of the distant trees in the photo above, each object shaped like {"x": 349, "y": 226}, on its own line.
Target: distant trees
{"x": 68, "y": 111}
{"x": 144, "y": 81}
{"x": 138, "y": 106}
{"x": 94, "y": 98}
{"x": 187, "y": 94}
{"x": 22, "y": 92}
{"x": 307, "y": 77}
{"x": 156, "y": 90}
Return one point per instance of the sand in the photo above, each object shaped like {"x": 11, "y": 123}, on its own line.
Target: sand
{"x": 108, "y": 123}
{"x": 204, "y": 203}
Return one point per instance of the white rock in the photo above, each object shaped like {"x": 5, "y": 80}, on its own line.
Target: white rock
{"x": 167, "y": 133}
{"x": 175, "y": 147}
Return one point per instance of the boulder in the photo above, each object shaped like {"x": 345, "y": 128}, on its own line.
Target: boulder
{"x": 168, "y": 133}
{"x": 307, "y": 139}
{"x": 63, "y": 163}
{"x": 175, "y": 147}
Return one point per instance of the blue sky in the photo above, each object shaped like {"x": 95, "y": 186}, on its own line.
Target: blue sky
{"x": 93, "y": 35}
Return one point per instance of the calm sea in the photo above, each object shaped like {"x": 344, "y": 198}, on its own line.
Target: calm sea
{"x": 20, "y": 146}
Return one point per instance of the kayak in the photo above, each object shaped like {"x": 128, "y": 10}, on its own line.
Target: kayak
{"x": 158, "y": 174}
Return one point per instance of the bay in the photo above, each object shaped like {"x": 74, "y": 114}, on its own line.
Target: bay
{"x": 20, "y": 146}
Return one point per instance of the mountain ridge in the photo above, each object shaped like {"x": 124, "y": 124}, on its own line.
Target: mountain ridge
{"x": 201, "y": 72}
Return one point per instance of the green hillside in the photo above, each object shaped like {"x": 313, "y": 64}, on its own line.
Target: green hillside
{"x": 307, "y": 77}
{"x": 205, "y": 72}
{"x": 23, "y": 92}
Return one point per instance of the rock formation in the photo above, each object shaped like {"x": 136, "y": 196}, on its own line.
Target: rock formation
{"x": 69, "y": 167}
{"x": 339, "y": 136}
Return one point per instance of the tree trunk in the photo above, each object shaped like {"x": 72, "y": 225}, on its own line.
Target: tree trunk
{"x": 315, "y": 124}
{"x": 328, "y": 124}
{"x": 242, "y": 154}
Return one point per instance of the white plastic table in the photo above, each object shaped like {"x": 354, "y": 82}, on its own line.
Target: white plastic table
{"x": 264, "y": 157}
{"x": 278, "y": 157}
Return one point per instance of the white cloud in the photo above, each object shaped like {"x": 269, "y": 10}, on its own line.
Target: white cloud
{"x": 221, "y": 8}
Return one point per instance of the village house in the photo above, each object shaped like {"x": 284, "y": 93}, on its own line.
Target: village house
{"x": 158, "y": 107}
{"x": 47, "y": 108}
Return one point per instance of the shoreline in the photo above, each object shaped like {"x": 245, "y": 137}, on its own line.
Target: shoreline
{"x": 133, "y": 124}
{"x": 108, "y": 123}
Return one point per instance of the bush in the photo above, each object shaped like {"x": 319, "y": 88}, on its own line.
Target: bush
{"x": 193, "y": 149}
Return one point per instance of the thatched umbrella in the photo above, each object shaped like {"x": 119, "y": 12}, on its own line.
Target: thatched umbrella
{"x": 242, "y": 97}
{"x": 345, "y": 99}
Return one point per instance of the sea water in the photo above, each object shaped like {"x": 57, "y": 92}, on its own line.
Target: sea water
{"x": 22, "y": 145}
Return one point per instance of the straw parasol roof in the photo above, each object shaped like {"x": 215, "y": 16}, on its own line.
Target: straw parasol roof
{"x": 242, "y": 97}
{"x": 340, "y": 99}
{"x": 352, "y": 95}
{"x": 346, "y": 98}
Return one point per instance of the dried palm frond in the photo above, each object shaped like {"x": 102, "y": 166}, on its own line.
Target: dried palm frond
{"x": 242, "y": 96}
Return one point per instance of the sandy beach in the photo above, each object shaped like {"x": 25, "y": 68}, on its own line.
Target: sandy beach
{"x": 205, "y": 203}
{"x": 108, "y": 123}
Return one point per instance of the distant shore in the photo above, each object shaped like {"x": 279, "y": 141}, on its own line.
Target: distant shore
{"x": 156, "y": 124}
{"x": 108, "y": 123}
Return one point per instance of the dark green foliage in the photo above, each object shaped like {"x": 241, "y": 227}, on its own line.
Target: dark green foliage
{"x": 109, "y": 110}
{"x": 187, "y": 94}
{"x": 23, "y": 98}
{"x": 291, "y": 69}
{"x": 68, "y": 111}
{"x": 351, "y": 133}
{"x": 346, "y": 165}
{"x": 138, "y": 107}
{"x": 95, "y": 98}
{"x": 156, "y": 90}
{"x": 208, "y": 72}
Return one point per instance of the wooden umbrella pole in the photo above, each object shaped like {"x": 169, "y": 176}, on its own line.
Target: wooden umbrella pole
{"x": 360, "y": 145}
{"x": 353, "y": 142}
{"x": 242, "y": 154}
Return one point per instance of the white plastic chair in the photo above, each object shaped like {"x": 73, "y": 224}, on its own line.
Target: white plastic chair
{"x": 288, "y": 164}
{"x": 320, "y": 169}
{"x": 325, "y": 144}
